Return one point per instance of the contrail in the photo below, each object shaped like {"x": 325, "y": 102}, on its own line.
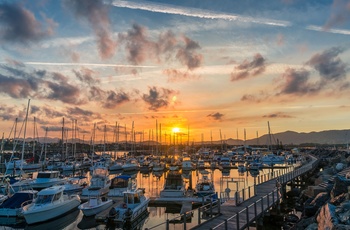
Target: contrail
{"x": 88, "y": 64}
{"x": 334, "y": 31}
{"x": 193, "y": 12}
{"x": 199, "y": 13}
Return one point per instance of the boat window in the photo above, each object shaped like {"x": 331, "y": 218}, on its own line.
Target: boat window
{"x": 57, "y": 196}
{"x": 125, "y": 198}
{"x": 43, "y": 199}
{"x": 43, "y": 175}
{"x": 136, "y": 198}
{"x": 130, "y": 198}
{"x": 119, "y": 183}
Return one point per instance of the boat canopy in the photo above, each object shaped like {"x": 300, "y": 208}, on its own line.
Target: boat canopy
{"x": 18, "y": 198}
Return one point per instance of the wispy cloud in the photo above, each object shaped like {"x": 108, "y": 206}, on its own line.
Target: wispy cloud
{"x": 192, "y": 12}
{"x": 84, "y": 64}
{"x": 322, "y": 29}
{"x": 206, "y": 14}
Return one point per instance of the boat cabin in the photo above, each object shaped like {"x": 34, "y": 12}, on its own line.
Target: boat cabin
{"x": 49, "y": 195}
{"x": 120, "y": 181}
{"x": 48, "y": 174}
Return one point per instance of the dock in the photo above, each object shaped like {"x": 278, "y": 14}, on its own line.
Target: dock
{"x": 267, "y": 194}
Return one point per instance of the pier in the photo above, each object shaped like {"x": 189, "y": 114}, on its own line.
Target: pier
{"x": 247, "y": 205}
{"x": 267, "y": 194}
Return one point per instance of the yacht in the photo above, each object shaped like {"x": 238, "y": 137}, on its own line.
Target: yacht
{"x": 200, "y": 164}
{"x": 134, "y": 204}
{"x": 75, "y": 184}
{"x": 50, "y": 203}
{"x": 272, "y": 159}
{"x": 225, "y": 163}
{"x": 205, "y": 184}
{"x": 174, "y": 185}
{"x": 12, "y": 207}
{"x": 187, "y": 164}
{"x": 46, "y": 179}
{"x": 131, "y": 165}
{"x": 95, "y": 205}
{"x": 99, "y": 184}
{"x": 241, "y": 168}
{"x": 119, "y": 185}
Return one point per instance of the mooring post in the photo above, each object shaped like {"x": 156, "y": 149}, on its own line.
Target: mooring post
{"x": 247, "y": 213}
{"x": 237, "y": 219}
{"x": 185, "y": 217}
{"x": 255, "y": 209}
{"x": 226, "y": 227}
{"x": 199, "y": 215}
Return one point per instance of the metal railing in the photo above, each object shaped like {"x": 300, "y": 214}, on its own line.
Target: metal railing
{"x": 201, "y": 214}
{"x": 241, "y": 219}
{"x": 250, "y": 213}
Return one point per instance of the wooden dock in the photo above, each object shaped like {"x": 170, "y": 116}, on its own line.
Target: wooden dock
{"x": 267, "y": 194}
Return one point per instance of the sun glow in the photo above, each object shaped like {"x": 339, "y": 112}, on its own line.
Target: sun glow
{"x": 176, "y": 130}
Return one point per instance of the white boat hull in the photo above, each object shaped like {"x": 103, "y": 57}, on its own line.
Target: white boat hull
{"x": 40, "y": 213}
{"x": 93, "y": 210}
{"x": 136, "y": 212}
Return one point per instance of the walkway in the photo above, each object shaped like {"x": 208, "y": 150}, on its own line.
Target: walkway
{"x": 266, "y": 195}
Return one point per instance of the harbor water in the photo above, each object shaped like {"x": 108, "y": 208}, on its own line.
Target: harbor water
{"x": 226, "y": 182}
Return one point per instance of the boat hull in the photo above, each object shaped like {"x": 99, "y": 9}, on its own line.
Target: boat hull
{"x": 36, "y": 214}
{"x": 93, "y": 210}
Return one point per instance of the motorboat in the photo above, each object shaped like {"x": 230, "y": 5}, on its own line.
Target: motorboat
{"x": 99, "y": 164}
{"x": 158, "y": 166}
{"x": 99, "y": 184}
{"x": 225, "y": 163}
{"x": 75, "y": 184}
{"x": 200, "y": 164}
{"x": 255, "y": 166}
{"x": 241, "y": 168}
{"x": 95, "y": 205}
{"x": 174, "y": 185}
{"x": 117, "y": 165}
{"x": 46, "y": 179}
{"x": 71, "y": 166}
{"x": 205, "y": 184}
{"x": 119, "y": 185}
{"x": 131, "y": 165}
{"x": 134, "y": 204}
{"x": 50, "y": 203}
{"x": 272, "y": 159}
{"x": 187, "y": 164}
{"x": 12, "y": 207}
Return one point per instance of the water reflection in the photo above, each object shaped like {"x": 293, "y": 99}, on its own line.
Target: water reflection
{"x": 153, "y": 183}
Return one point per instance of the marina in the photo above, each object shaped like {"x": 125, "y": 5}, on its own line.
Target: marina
{"x": 171, "y": 193}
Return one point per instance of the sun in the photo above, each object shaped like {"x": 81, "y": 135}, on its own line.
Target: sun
{"x": 176, "y": 130}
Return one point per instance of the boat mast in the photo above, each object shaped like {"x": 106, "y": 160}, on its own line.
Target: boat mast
{"x": 270, "y": 141}
{"x": 24, "y": 136}
{"x": 2, "y": 147}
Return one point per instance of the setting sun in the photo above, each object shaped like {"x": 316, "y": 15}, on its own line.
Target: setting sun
{"x": 176, "y": 130}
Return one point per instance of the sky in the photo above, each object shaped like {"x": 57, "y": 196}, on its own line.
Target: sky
{"x": 213, "y": 69}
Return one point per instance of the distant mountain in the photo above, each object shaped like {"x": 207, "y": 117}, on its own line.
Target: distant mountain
{"x": 291, "y": 137}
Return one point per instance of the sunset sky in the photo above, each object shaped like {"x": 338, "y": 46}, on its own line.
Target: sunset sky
{"x": 210, "y": 66}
